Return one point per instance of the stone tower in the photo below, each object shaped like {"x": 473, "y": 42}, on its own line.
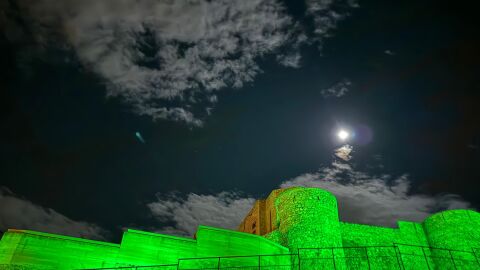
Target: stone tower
{"x": 296, "y": 217}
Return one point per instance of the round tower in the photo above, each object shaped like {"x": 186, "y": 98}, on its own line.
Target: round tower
{"x": 308, "y": 218}
{"x": 454, "y": 229}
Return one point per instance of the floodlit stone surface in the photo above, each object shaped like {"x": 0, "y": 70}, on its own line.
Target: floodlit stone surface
{"x": 294, "y": 228}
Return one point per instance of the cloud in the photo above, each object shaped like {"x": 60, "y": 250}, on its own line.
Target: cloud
{"x": 389, "y": 52}
{"x": 337, "y": 90}
{"x": 290, "y": 60}
{"x": 344, "y": 152}
{"x": 362, "y": 198}
{"x": 222, "y": 210}
{"x": 473, "y": 146}
{"x": 375, "y": 199}
{"x": 326, "y": 15}
{"x": 18, "y": 213}
{"x": 166, "y": 59}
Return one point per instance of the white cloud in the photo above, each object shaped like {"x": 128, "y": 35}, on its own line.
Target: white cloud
{"x": 222, "y": 210}
{"x": 18, "y": 213}
{"x": 159, "y": 56}
{"x": 337, "y": 90}
{"x": 290, "y": 60}
{"x": 389, "y": 52}
{"x": 362, "y": 198}
{"x": 375, "y": 199}
{"x": 344, "y": 152}
{"x": 326, "y": 15}
{"x": 166, "y": 58}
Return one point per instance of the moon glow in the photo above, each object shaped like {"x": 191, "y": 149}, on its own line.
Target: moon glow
{"x": 343, "y": 135}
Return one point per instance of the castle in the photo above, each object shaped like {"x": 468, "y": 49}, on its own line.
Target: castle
{"x": 293, "y": 228}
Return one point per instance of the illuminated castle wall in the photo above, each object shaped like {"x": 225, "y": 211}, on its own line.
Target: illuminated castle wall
{"x": 295, "y": 228}
{"x": 308, "y": 217}
{"x": 296, "y": 217}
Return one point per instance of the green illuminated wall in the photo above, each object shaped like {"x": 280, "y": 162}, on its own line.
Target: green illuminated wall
{"x": 308, "y": 218}
{"x": 307, "y": 234}
{"x": 47, "y": 251}
{"x": 459, "y": 230}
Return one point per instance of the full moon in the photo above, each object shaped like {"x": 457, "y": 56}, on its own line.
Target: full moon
{"x": 343, "y": 135}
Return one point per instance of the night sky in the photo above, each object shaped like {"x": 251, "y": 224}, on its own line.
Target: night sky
{"x": 231, "y": 102}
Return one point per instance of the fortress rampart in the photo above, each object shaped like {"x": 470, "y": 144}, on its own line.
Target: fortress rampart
{"x": 295, "y": 228}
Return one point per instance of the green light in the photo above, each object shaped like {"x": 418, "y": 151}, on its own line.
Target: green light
{"x": 304, "y": 232}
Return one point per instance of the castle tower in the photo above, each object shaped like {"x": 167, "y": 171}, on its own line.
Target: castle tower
{"x": 308, "y": 218}
{"x": 451, "y": 232}
{"x": 296, "y": 217}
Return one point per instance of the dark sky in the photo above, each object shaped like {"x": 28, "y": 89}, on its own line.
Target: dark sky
{"x": 410, "y": 71}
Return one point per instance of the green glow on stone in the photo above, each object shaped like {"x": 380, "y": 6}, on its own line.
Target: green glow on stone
{"x": 307, "y": 235}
